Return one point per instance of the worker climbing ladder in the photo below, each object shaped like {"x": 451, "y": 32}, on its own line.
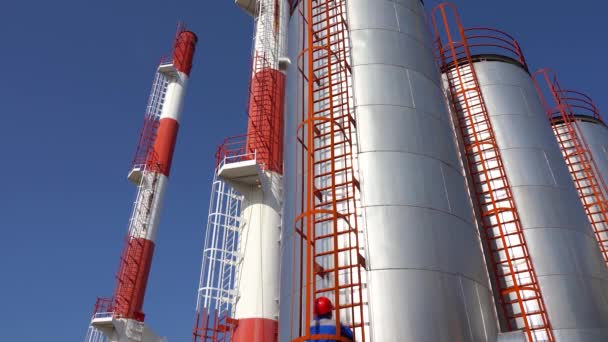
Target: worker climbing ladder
{"x": 560, "y": 106}
{"x": 520, "y": 297}
{"x": 331, "y": 257}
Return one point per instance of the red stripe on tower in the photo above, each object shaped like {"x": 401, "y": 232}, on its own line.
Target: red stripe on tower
{"x": 130, "y": 299}
{"x": 164, "y": 145}
{"x": 256, "y": 330}
{"x": 183, "y": 51}
{"x": 265, "y": 126}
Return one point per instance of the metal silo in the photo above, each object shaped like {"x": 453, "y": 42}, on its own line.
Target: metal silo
{"x": 367, "y": 67}
{"x": 581, "y": 135}
{"x": 547, "y": 271}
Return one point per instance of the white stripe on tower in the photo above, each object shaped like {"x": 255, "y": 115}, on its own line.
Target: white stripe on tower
{"x": 257, "y": 306}
{"x": 137, "y": 258}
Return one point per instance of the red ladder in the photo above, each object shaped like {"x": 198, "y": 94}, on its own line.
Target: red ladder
{"x": 128, "y": 278}
{"x": 583, "y": 169}
{"x": 520, "y": 296}
{"x": 331, "y": 261}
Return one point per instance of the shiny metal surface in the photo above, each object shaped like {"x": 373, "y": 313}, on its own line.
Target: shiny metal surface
{"x": 596, "y": 135}
{"x": 289, "y": 244}
{"x": 426, "y": 273}
{"x": 570, "y": 270}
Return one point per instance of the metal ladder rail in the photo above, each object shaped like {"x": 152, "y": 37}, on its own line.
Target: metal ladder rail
{"x": 478, "y": 135}
{"x": 582, "y": 167}
{"x": 215, "y": 305}
{"x": 264, "y": 95}
{"x": 586, "y": 183}
{"x": 330, "y": 180}
{"x": 130, "y": 268}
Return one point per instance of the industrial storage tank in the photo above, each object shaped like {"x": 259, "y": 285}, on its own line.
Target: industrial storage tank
{"x": 549, "y": 276}
{"x": 424, "y": 276}
{"x": 581, "y": 135}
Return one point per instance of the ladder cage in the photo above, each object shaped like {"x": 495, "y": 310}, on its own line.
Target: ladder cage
{"x": 265, "y": 93}
{"x": 156, "y": 100}
{"x": 330, "y": 253}
{"x": 131, "y": 261}
{"x": 563, "y": 108}
{"x": 516, "y": 286}
{"x": 219, "y": 271}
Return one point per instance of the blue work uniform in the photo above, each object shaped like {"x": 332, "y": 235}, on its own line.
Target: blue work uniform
{"x": 326, "y": 326}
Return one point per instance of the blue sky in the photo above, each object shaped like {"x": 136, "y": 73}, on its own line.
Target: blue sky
{"x": 73, "y": 89}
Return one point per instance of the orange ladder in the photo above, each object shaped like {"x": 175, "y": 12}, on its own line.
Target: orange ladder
{"x": 520, "y": 296}
{"x": 585, "y": 173}
{"x": 331, "y": 262}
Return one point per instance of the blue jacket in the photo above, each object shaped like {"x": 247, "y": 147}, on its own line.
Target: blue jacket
{"x": 328, "y": 326}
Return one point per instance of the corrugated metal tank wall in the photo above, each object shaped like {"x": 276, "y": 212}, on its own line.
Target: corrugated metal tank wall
{"x": 426, "y": 274}
{"x": 570, "y": 269}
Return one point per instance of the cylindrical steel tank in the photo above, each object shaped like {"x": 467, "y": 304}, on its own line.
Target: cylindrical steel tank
{"x": 581, "y": 134}
{"x": 569, "y": 268}
{"x": 595, "y": 133}
{"x": 426, "y": 278}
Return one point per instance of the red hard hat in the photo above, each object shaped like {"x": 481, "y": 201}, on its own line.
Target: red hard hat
{"x": 323, "y": 306}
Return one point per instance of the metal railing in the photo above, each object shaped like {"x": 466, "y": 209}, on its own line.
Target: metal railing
{"x": 233, "y": 150}
{"x": 482, "y": 41}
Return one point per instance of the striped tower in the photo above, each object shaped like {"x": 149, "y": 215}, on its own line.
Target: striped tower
{"x": 150, "y": 173}
{"x": 257, "y": 285}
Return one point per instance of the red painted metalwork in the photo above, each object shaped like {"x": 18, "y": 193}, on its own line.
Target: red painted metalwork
{"x": 234, "y": 149}
{"x": 327, "y": 222}
{"x": 132, "y": 278}
{"x": 145, "y": 144}
{"x": 164, "y": 145}
{"x": 183, "y": 49}
{"x": 103, "y": 306}
{"x": 487, "y": 41}
{"x": 521, "y": 300}
{"x": 579, "y": 104}
{"x": 563, "y": 107}
{"x": 265, "y": 126}
{"x": 209, "y": 326}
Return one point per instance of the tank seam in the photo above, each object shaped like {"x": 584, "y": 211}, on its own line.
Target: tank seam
{"x": 473, "y": 228}
{"x": 457, "y": 169}
{"x": 433, "y": 271}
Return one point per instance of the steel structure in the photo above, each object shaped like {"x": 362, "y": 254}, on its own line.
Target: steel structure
{"x": 365, "y": 100}
{"x": 329, "y": 258}
{"x": 567, "y": 110}
{"x": 538, "y": 241}
{"x": 217, "y": 292}
{"x": 252, "y": 165}
{"x": 520, "y": 297}
{"x": 150, "y": 171}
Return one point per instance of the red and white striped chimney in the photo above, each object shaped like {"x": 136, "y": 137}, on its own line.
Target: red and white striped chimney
{"x": 257, "y": 306}
{"x": 137, "y": 256}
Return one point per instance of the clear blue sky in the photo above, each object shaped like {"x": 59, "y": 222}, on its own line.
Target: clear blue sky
{"x": 74, "y": 83}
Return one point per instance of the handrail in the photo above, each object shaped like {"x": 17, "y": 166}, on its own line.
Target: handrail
{"x": 484, "y": 40}
{"x": 234, "y": 149}
{"x": 580, "y": 104}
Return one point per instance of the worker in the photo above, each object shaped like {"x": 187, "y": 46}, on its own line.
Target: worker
{"x": 323, "y": 324}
